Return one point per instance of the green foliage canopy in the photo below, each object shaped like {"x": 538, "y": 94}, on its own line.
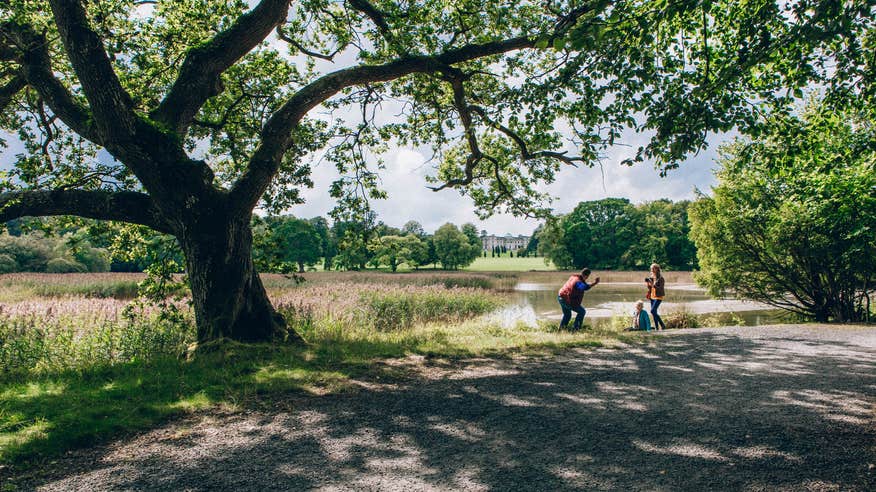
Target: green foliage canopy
{"x": 613, "y": 233}
{"x": 394, "y": 250}
{"x": 286, "y": 244}
{"x": 494, "y": 89}
{"x": 453, "y": 248}
{"x": 792, "y": 222}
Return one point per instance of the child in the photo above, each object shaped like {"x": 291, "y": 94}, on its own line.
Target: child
{"x": 641, "y": 321}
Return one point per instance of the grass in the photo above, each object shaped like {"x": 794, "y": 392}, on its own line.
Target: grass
{"x": 46, "y": 415}
{"x": 16, "y": 287}
{"x": 79, "y": 370}
{"x": 507, "y": 264}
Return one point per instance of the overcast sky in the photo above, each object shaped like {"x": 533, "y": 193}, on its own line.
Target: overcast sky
{"x": 409, "y": 199}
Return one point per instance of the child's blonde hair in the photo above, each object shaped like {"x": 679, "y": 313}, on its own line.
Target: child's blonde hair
{"x": 639, "y": 303}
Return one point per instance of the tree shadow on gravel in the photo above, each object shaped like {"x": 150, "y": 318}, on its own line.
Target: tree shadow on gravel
{"x": 702, "y": 411}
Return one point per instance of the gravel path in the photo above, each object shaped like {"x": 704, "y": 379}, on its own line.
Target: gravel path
{"x": 765, "y": 408}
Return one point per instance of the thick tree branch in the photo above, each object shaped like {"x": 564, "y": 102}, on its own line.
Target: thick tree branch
{"x": 124, "y": 206}
{"x": 276, "y": 134}
{"x": 110, "y": 104}
{"x": 32, "y": 53}
{"x": 456, "y": 79}
{"x": 10, "y": 89}
{"x": 376, "y": 16}
{"x": 200, "y": 75}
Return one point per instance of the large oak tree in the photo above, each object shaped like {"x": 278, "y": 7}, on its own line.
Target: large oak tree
{"x": 184, "y": 116}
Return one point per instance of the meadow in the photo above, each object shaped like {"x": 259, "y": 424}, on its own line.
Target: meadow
{"x": 509, "y": 264}
{"x": 82, "y": 359}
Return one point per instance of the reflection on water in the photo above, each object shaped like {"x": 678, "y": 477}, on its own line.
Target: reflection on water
{"x": 532, "y": 301}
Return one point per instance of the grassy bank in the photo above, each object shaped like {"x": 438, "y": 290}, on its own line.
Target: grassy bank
{"x": 508, "y": 264}
{"x": 78, "y": 370}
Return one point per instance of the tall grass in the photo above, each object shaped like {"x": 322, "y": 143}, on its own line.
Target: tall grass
{"x": 16, "y": 287}
{"x": 83, "y": 334}
{"x": 381, "y": 306}
{"x": 424, "y": 277}
{"x": 42, "y": 336}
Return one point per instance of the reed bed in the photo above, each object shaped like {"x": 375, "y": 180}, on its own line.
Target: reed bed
{"x": 76, "y": 334}
{"x": 381, "y": 307}
{"x": 23, "y": 286}
{"x": 44, "y": 335}
{"x": 492, "y": 280}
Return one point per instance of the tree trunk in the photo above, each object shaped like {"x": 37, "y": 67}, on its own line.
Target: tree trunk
{"x": 228, "y": 296}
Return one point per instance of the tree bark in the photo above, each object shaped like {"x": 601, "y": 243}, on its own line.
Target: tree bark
{"x": 228, "y": 296}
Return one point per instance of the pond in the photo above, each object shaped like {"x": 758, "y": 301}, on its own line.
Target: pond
{"x": 534, "y": 299}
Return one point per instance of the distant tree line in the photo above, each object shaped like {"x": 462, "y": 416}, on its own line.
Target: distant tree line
{"x": 613, "y": 233}
{"x": 287, "y": 244}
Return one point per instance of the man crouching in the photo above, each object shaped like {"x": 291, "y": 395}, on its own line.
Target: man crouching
{"x": 570, "y": 297}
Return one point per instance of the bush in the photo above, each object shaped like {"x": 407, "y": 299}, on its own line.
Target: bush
{"x": 31, "y": 253}
{"x": 65, "y": 265}
{"x": 93, "y": 259}
{"x": 398, "y": 310}
{"x": 681, "y": 319}
{"x": 7, "y": 264}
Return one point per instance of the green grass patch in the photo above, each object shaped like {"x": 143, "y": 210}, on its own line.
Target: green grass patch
{"x": 47, "y": 414}
{"x": 506, "y": 264}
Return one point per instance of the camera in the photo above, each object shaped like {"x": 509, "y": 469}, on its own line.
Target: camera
{"x": 647, "y": 279}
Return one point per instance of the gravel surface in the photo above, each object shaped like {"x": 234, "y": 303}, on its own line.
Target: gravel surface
{"x": 759, "y": 408}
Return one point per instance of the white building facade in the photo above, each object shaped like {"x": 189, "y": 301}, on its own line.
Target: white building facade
{"x": 511, "y": 243}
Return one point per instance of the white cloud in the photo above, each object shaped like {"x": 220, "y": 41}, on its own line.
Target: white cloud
{"x": 410, "y": 199}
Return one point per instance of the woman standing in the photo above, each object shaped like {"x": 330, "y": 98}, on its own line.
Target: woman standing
{"x": 656, "y": 285}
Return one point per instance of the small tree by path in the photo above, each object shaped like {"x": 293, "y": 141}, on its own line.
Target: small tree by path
{"x": 792, "y": 221}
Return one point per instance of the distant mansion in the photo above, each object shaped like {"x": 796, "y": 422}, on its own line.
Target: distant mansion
{"x": 512, "y": 243}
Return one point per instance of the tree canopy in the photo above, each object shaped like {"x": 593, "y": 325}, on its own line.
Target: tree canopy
{"x": 183, "y": 116}
{"x": 286, "y": 244}
{"x": 615, "y": 234}
{"x": 453, "y": 248}
{"x": 792, "y": 221}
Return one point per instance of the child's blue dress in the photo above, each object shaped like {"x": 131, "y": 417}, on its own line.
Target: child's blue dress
{"x": 644, "y": 320}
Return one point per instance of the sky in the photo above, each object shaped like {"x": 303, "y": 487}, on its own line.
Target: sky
{"x": 410, "y": 199}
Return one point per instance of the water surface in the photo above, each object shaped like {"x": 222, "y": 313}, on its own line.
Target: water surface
{"x": 535, "y": 300}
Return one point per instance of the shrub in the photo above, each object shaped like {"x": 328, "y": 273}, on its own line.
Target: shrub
{"x": 65, "y": 265}
{"x": 31, "y": 253}
{"x": 7, "y": 264}
{"x": 681, "y": 319}
{"x": 94, "y": 259}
